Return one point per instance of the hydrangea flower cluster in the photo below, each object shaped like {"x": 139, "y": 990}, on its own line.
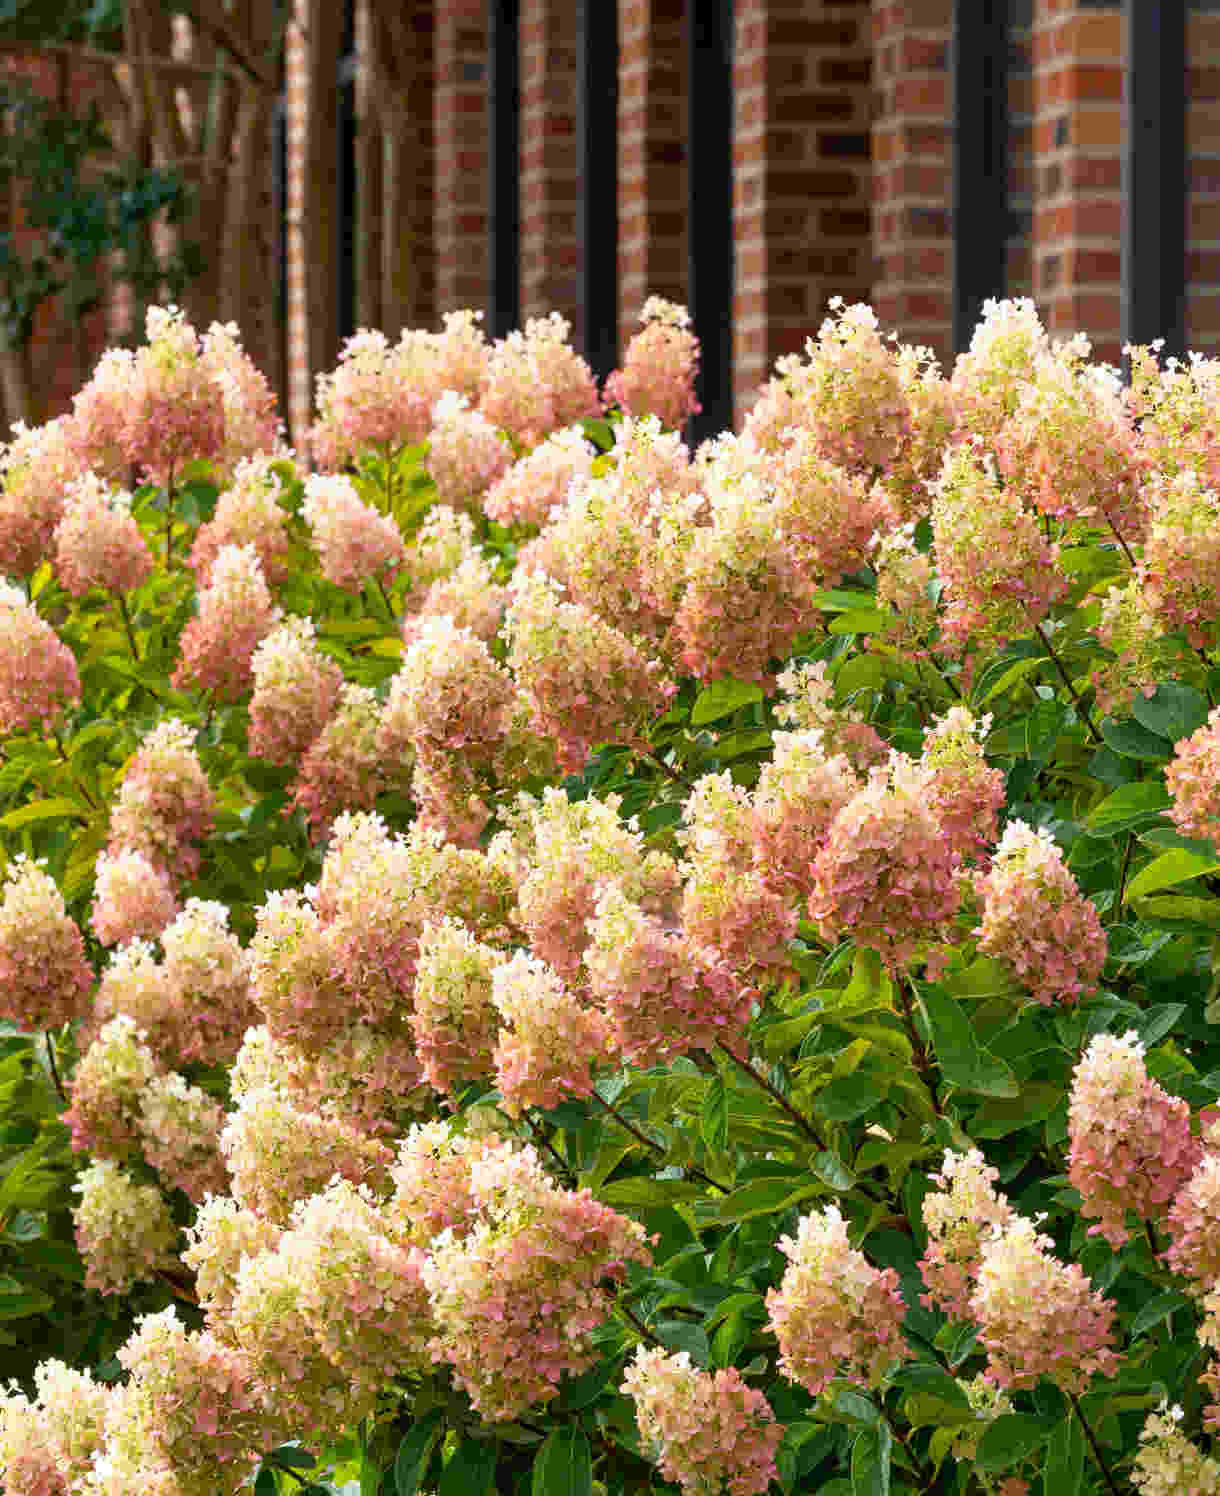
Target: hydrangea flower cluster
{"x": 708, "y": 1432}
{"x": 990, "y": 378}
{"x": 904, "y": 574}
{"x": 133, "y": 897}
{"x": 356, "y": 544}
{"x": 959, "y": 1217}
{"x": 44, "y": 975}
{"x": 173, "y": 408}
{"x": 516, "y": 1299}
{"x": 1035, "y": 918}
{"x": 221, "y": 1235}
{"x": 1194, "y": 1219}
{"x": 342, "y": 769}
{"x": 124, "y": 1231}
{"x": 466, "y": 455}
{"x": 834, "y": 1314}
{"x": 535, "y": 383}
{"x": 251, "y": 424}
{"x": 46, "y": 1444}
{"x": 108, "y": 1091}
{"x": 800, "y": 791}
{"x": 164, "y": 803}
{"x": 236, "y": 613}
{"x": 208, "y": 973}
{"x": 659, "y": 368}
{"x": 1131, "y": 1147}
{"x": 964, "y": 794}
{"x": 1168, "y": 1464}
{"x": 295, "y": 691}
{"x": 1038, "y": 1318}
{"x": 1144, "y": 655}
{"x": 538, "y": 483}
{"x": 453, "y": 1017}
{"x": 38, "y": 674}
{"x": 471, "y": 596}
{"x": 1180, "y": 569}
{"x": 1193, "y": 780}
{"x": 368, "y": 400}
{"x": 549, "y": 1041}
{"x": 179, "y": 1129}
{"x": 828, "y": 513}
{"x": 36, "y": 467}
{"x": 98, "y": 542}
{"x": 248, "y": 512}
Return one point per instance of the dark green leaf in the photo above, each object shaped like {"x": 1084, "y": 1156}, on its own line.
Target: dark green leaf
{"x": 962, "y": 1060}
{"x": 1131, "y": 740}
{"x": 721, "y": 698}
{"x": 1159, "y": 1021}
{"x": 415, "y": 1451}
{"x": 714, "y": 1121}
{"x": 265, "y": 1482}
{"x": 471, "y": 1470}
{"x": 1156, "y": 1310}
{"x": 1169, "y": 869}
{"x": 870, "y": 1461}
{"x": 293, "y": 1457}
{"x": 1011, "y": 1438}
{"x": 1063, "y": 1472}
{"x": 578, "y": 1392}
{"x": 849, "y": 1097}
{"x": 564, "y": 1465}
{"x": 678, "y": 1335}
{"x": 859, "y": 621}
{"x": 1173, "y": 711}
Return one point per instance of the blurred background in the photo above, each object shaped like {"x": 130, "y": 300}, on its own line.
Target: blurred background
{"x": 305, "y": 167}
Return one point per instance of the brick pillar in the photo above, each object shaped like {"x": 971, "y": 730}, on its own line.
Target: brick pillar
{"x": 462, "y": 125}
{"x": 1203, "y": 183}
{"x": 802, "y": 174}
{"x": 913, "y": 171}
{"x": 652, "y": 242}
{"x": 1078, "y": 134}
{"x": 552, "y": 243}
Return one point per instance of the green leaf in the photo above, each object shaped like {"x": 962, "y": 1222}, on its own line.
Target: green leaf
{"x": 1170, "y": 868}
{"x": 1173, "y": 710}
{"x": 471, "y": 1470}
{"x": 1011, "y": 677}
{"x": 1131, "y": 740}
{"x": 1012, "y": 1438}
{"x": 762, "y": 1197}
{"x": 1179, "y": 908}
{"x": 1129, "y": 807}
{"x": 415, "y": 1451}
{"x": 998, "y": 1118}
{"x": 578, "y": 1392}
{"x": 19, "y": 1300}
{"x": 861, "y": 672}
{"x": 265, "y": 1482}
{"x": 721, "y": 698}
{"x": 646, "y": 1191}
{"x": 56, "y": 809}
{"x": 849, "y": 1096}
{"x": 931, "y": 1381}
{"x": 1063, "y": 1472}
{"x": 859, "y": 621}
{"x": 870, "y": 1461}
{"x": 1156, "y": 1310}
{"x": 714, "y": 1121}
{"x": 564, "y": 1465}
{"x": 678, "y": 1335}
{"x": 832, "y": 1171}
{"x": 840, "y": 600}
{"x": 963, "y": 1061}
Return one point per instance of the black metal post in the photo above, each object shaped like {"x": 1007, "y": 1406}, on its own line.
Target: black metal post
{"x": 1154, "y": 174}
{"x": 505, "y": 310}
{"x": 980, "y": 160}
{"x": 598, "y": 124}
{"x": 709, "y": 30}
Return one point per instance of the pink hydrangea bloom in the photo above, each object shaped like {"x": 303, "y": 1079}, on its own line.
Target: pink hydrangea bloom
{"x": 1193, "y": 779}
{"x": 453, "y": 1017}
{"x": 659, "y": 368}
{"x": 36, "y": 468}
{"x": 1180, "y": 569}
{"x": 38, "y": 675}
{"x": 222, "y": 1233}
{"x": 1035, "y": 918}
{"x": 296, "y": 688}
{"x": 959, "y": 1217}
{"x": 471, "y": 596}
{"x": 466, "y": 454}
{"x": 1130, "y": 1142}
{"x": 807, "y": 707}
{"x": 1038, "y": 1318}
{"x": 585, "y": 681}
{"x": 535, "y": 383}
{"x": 663, "y": 994}
{"x": 175, "y": 411}
{"x": 236, "y": 613}
{"x": 123, "y": 1229}
{"x": 990, "y": 378}
{"x": 278, "y": 1154}
{"x": 164, "y": 803}
{"x": 342, "y": 768}
{"x": 197, "y": 1409}
{"x": 707, "y": 1431}
{"x": 742, "y": 917}
{"x": 527, "y": 492}
{"x": 550, "y": 1041}
{"x": 999, "y": 573}
{"x": 1194, "y": 1225}
{"x": 136, "y": 986}
{"x": 828, "y": 514}
{"x": 932, "y": 419}
{"x": 96, "y": 429}
{"x": 208, "y": 973}
{"x": 834, "y": 1314}
{"x": 293, "y": 980}
{"x": 1168, "y": 1464}
{"x": 964, "y": 794}
{"x": 886, "y": 874}
{"x": 515, "y": 1301}
{"x": 133, "y": 897}
{"x": 432, "y": 1187}
{"x": 179, "y": 1130}
{"x": 800, "y": 791}
{"x": 44, "y": 976}
{"x": 248, "y": 512}
{"x": 360, "y": 1293}
{"x": 251, "y": 425}
{"x": 1146, "y": 654}
{"x": 108, "y": 1089}
{"x": 1175, "y": 406}
{"x": 904, "y": 574}
{"x": 449, "y": 695}
{"x": 356, "y": 543}
{"x": 46, "y": 1444}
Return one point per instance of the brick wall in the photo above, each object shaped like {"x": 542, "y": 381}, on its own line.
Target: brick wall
{"x": 1019, "y": 257}
{"x": 912, "y": 184}
{"x": 652, "y": 180}
{"x": 1078, "y": 134}
{"x": 552, "y": 240}
{"x": 461, "y": 132}
{"x": 1203, "y": 181}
